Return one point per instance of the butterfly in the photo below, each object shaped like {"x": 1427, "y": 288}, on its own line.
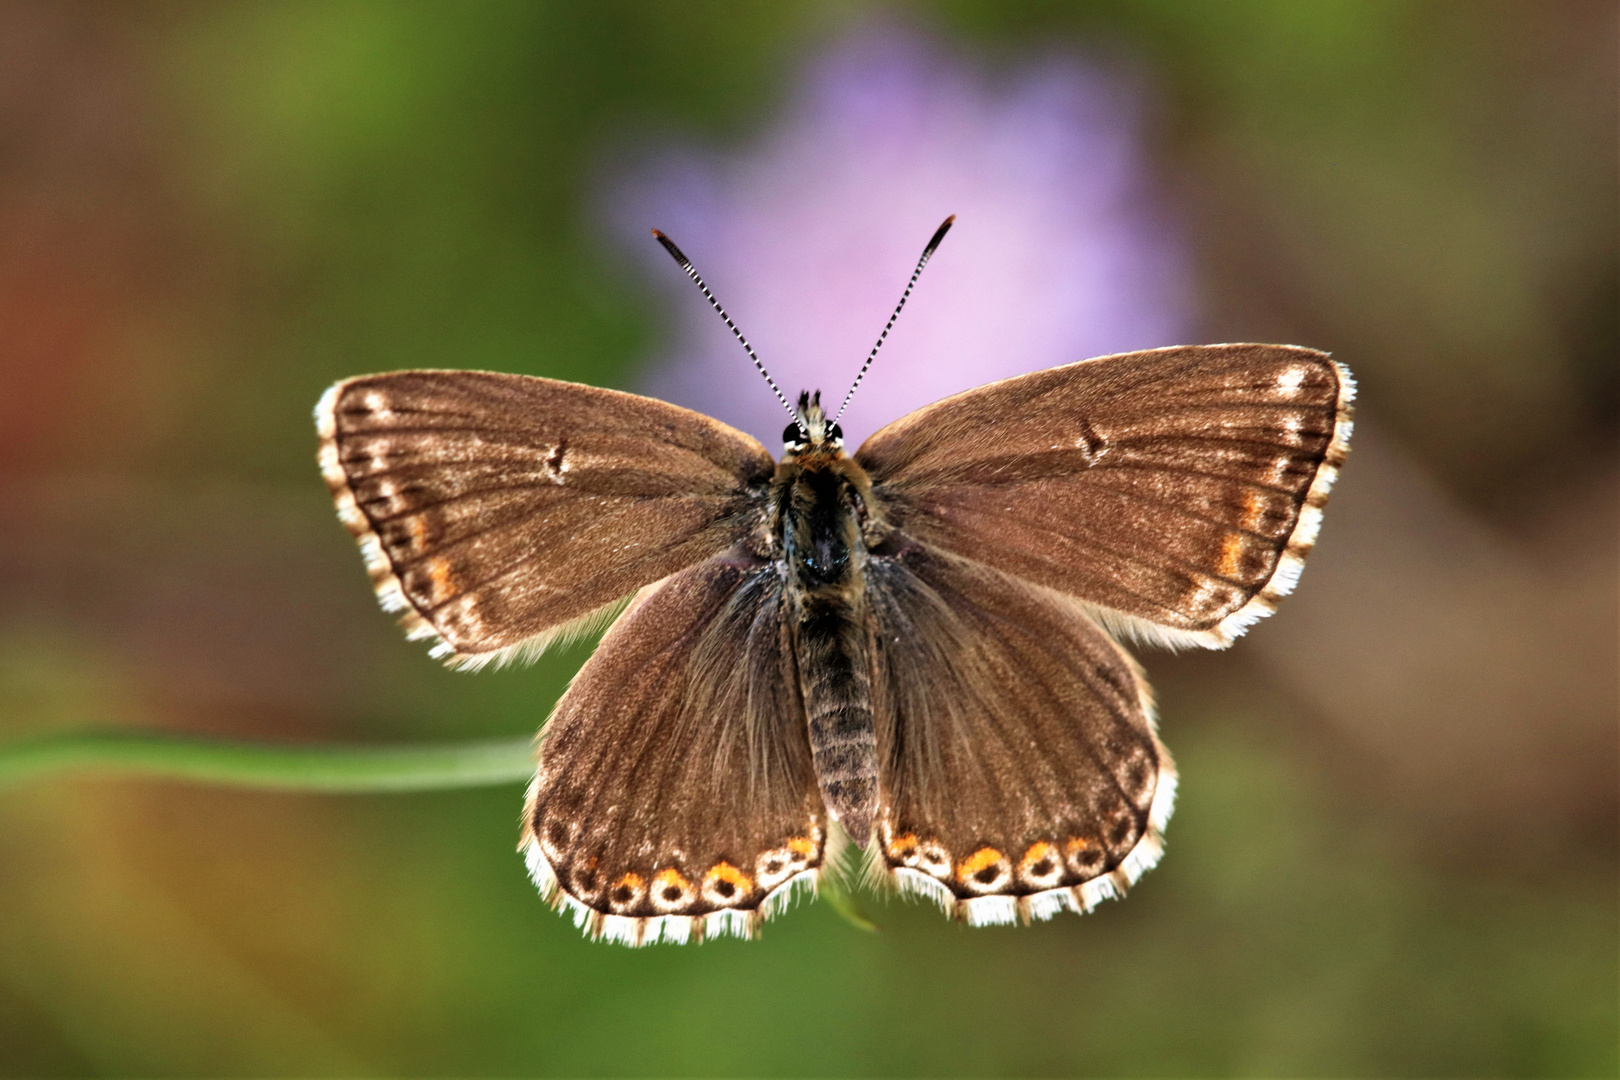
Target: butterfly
{"x": 915, "y": 647}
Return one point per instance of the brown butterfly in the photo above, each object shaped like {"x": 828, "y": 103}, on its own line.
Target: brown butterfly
{"x": 916, "y": 642}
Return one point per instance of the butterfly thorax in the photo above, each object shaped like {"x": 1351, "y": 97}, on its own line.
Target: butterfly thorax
{"x": 819, "y": 523}
{"x": 821, "y": 518}
{"x": 818, "y": 511}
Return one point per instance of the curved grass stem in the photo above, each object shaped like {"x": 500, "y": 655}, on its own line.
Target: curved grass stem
{"x": 289, "y": 767}
{"x": 839, "y": 897}
{"x": 330, "y": 768}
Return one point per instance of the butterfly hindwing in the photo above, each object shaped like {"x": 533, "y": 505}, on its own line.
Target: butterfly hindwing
{"x": 1176, "y": 491}
{"x": 1021, "y": 772}
{"x": 675, "y": 796}
{"x": 495, "y": 511}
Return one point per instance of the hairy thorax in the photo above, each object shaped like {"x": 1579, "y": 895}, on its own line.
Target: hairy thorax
{"x": 820, "y": 522}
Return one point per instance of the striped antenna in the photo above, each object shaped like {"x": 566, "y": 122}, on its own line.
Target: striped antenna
{"x": 691, "y": 272}
{"x": 928, "y": 252}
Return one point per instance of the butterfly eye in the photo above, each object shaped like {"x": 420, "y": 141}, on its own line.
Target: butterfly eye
{"x": 791, "y": 435}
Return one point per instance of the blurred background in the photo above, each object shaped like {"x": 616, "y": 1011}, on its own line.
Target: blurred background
{"x": 1395, "y": 847}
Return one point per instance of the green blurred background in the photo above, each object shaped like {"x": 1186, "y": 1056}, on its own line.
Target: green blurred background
{"x": 1395, "y": 849}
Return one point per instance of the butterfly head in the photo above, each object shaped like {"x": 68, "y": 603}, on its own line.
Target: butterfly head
{"x": 811, "y": 430}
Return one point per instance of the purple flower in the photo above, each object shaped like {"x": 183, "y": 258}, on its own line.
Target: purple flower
{"x": 807, "y": 235}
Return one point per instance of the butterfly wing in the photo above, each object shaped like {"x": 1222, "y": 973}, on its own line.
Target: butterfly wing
{"x": 675, "y": 796}
{"x": 498, "y": 512}
{"x": 1020, "y": 772}
{"x": 1176, "y": 491}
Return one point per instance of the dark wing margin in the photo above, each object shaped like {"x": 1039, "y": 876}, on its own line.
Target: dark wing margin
{"x": 1176, "y": 492}
{"x": 675, "y": 798}
{"x": 1021, "y": 772}
{"x": 499, "y": 513}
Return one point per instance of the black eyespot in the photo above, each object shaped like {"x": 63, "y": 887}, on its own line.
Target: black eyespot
{"x": 791, "y": 435}
{"x": 835, "y": 432}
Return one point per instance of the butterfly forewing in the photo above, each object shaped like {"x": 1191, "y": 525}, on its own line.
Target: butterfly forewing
{"x": 1177, "y": 491}
{"x": 675, "y": 795}
{"x": 495, "y": 509}
{"x": 1021, "y": 772}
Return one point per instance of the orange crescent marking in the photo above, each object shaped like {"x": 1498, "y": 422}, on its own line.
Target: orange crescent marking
{"x": 1036, "y": 853}
{"x": 439, "y": 574}
{"x": 671, "y": 878}
{"x": 1231, "y": 552}
{"x": 724, "y": 871}
{"x": 1254, "y": 511}
{"x": 985, "y": 856}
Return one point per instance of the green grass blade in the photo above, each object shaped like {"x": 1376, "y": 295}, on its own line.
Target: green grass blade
{"x": 843, "y": 902}
{"x": 289, "y": 767}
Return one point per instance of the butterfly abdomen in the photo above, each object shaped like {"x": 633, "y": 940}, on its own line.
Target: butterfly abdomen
{"x": 822, "y": 555}
{"x": 834, "y": 675}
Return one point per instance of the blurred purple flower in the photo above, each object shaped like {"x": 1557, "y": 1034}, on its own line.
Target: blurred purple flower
{"x": 808, "y": 235}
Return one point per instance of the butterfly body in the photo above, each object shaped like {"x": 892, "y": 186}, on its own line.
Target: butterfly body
{"x": 916, "y": 642}
{"x": 821, "y": 519}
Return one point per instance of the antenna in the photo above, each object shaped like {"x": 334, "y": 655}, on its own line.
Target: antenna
{"x": 928, "y": 252}
{"x": 691, "y": 272}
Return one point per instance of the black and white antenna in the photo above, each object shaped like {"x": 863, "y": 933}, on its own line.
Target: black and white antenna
{"x": 928, "y": 252}
{"x": 691, "y": 272}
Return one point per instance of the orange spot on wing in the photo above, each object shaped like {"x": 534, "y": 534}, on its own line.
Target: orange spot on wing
{"x": 627, "y": 891}
{"x": 1036, "y": 853}
{"x": 1254, "y": 511}
{"x": 802, "y": 845}
{"x": 985, "y": 856}
{"x": 902, "y": 846}
{"x": 1231, "y": 556}
{"x": 439, "y": 575}
{"x": 671, "y": 878}
{"x": 1075, "y": 844}
{"x": 724, "y": 873}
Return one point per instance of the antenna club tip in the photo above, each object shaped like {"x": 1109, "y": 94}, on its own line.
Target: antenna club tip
{"x": 675, "y": 252}
{"x": 939, "y": 234}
